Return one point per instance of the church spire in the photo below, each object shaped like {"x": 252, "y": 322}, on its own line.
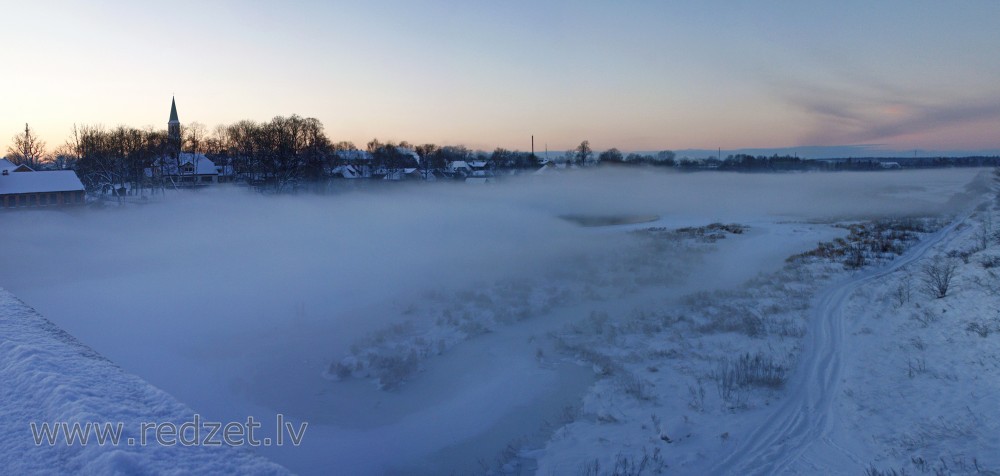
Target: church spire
{"x": 174, "y": 130}
{"x": 173, "y": 110}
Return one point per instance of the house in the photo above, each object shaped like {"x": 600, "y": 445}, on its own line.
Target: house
{"x": 480, "y": 168}
{"x": 408, "y": 173}
{"x": 22, "y": 187}
{"x": 187, "y": 170}
{"x": 459, "y": 166}
{"x": 351, "y": 171}
{"x": 8, "y": 166}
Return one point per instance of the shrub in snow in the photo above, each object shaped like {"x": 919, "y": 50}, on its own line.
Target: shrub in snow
{"x": 990, "y": 261}
{"x": 984, "y": 327}
{"x": 736, "y": 319}
{"x": 938, "y": 276}
{"x": 392, "y": 370}
{"x": 735, "y": 377}
{"x": 904, "y": 290}
{"x": 635, "y": 387}
{"x": 856, "y": 256}
{"x": 649, "y": 463}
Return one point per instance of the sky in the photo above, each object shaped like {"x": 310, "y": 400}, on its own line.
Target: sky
{"x": 636, "y": 75}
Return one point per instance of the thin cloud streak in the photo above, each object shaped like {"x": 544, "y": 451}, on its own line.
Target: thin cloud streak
{"x": 844, "y": 117}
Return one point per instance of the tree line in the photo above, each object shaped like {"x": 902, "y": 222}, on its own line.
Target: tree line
{"x": 289, "y": 153}
{"x": 282, "y": 154}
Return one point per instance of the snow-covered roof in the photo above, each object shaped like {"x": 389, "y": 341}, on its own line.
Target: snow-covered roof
{"x": 458, "y": 164}
{"x": 346, "y": 171}
{"x": 40, "y": 182}
{"x": 7, "y": 165}
{"x": 204, "y": 165}
{"x": 478, "y": 164}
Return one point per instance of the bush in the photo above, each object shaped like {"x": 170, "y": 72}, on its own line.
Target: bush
{"x": 635, "y": 387}
{"x": 733, "y": 377}
{"x": 938, "y": 276}
{"x": 392, "y": 370}
{"x": 984, "y": 327}
{"x": 904, "y": 290}
{"x": 991, "y": 261}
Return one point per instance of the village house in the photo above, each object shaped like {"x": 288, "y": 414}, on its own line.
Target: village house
{"x": 20, "y": 186}
{"x": 185, "y": 169}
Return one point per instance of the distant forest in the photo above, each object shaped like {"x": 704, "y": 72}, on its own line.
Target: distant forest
{"x": 294, "y": 153}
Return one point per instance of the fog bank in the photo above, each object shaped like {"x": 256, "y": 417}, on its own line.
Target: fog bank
{"x": 232, "y": 301}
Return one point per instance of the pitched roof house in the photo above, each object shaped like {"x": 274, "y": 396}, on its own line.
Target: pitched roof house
{"x": 186, "y": 169}
{"x": 20, "y": 186}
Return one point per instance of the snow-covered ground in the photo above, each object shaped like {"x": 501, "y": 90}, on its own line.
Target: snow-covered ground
{"x": 921, "y": 376}
{"x": 239, "y": 305}
{"x": 802, "y": 413}
{"x": 50, "y": 377}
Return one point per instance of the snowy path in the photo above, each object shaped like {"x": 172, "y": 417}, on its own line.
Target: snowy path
{"x": 803, "y": 423}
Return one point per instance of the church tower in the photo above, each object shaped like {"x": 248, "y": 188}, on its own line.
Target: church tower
{"x": 174, "y": 130}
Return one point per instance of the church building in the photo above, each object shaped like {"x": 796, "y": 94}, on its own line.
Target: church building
{"x": 183, "y": 169}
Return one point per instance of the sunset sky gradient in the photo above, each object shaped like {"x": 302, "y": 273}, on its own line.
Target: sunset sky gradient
{"x": 637, "y": 75}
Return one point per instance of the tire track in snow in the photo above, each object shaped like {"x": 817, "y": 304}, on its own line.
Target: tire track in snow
{"x": 804, "y": 418}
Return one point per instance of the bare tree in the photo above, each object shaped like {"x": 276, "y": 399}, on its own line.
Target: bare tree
{"x": 611, "y": 155}
{"x": 28, "y": 149}
{"x": 584, "y": 152}
{"x": 428, "y": 153}
{"x": 64, "y": 157}
{"x": 987, "y": 233}
{"x": 343, "y": 145}
{"x": 904, "y": 290}
{"x": 195, "y": 134}
{"x": 938, "y": 276}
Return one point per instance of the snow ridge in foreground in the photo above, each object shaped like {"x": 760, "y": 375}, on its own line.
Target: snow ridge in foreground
{"x": 49, "y": 376}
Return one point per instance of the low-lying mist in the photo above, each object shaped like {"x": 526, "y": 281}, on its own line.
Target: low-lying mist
{"x": 218, "y": 294}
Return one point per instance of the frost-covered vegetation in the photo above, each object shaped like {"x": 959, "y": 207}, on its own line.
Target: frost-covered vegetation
{"x": 926, "y": 364}
{"x": 648, "y": 257}
{"x": 709, "y": 356}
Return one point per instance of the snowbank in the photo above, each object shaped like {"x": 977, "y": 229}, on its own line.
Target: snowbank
{"x": 47, "y": 376}
{"x": 920, "y": 391}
